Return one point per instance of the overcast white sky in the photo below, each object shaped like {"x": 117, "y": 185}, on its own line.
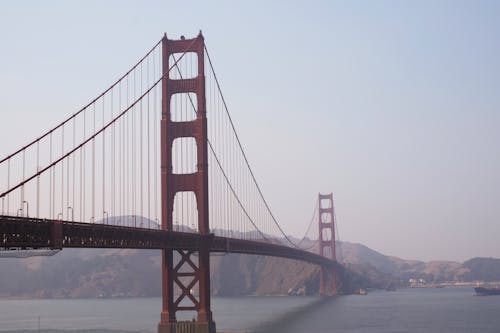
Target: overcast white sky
{"x": 392, "y": 106}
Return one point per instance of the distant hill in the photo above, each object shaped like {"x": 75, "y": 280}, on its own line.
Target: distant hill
{"x": 117, "y": 273}
{"x": 403, "y": 270}
{"x": 485, "y": 269}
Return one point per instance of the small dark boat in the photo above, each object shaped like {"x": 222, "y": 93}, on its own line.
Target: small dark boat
{"x": 487, "y": 291}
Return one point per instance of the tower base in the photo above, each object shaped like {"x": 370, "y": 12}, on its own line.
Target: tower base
{"x": 186, "y": 327}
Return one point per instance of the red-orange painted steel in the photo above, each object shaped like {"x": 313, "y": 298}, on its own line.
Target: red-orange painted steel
{"x": 174, "y": 183}
{"x": 57, "y": 234}
{"x": 326, "y": 242}
{"x": 32, "y": 233}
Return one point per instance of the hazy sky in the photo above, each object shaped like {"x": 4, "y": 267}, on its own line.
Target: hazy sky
{"x": 392, "y": 106}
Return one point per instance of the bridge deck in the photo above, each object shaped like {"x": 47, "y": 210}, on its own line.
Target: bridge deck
{"x": 32, "y": 233}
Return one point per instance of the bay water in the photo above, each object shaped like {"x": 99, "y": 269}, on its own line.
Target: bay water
{"x": 450, "y": 309}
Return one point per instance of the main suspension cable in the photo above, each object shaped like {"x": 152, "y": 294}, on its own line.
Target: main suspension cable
{"x": 82, "y": 109}
{"x": 220, "y": 165}
{"x": 95, "y": 134}
{"x": 244, "y": 155}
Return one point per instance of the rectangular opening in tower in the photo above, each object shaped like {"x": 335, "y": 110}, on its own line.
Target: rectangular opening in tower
{"x": 327, "y": 234}
{"x": 185, "y": 213}
{"x": 184, "y": 156}
{"x": 183, "y": 66}
{"x": 183, "y": 107}
{"x": 325, "y": 203}
{"x": 326, "y": 218}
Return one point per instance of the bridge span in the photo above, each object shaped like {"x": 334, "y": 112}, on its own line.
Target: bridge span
{"x": 32, "y": 233}
{"x": 158, "y": 144}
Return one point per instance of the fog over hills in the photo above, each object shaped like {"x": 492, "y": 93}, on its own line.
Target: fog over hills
{"x": 118, "y": 273}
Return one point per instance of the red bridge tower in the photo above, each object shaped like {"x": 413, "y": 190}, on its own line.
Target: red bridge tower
{"x": 327, "y": 279}
{"x": 192, "y": 269}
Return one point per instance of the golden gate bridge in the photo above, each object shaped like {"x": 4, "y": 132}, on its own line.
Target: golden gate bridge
{"x": 155, "y": 162}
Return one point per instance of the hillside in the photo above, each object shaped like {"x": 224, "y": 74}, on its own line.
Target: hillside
{"x": 403, "y": 270}
{"x": 117, "y": 273}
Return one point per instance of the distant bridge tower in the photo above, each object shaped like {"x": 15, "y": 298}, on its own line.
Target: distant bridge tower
{"x": 192, "y": 269}
{"x": 326, "y": 220}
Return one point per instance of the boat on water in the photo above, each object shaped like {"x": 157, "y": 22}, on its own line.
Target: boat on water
{"x": 487, "y": 291}
{"x": 361, "y": 291}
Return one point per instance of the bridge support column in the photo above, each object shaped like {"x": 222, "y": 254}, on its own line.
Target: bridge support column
{"x": 185, "y": 271}
{"x": 326, "y": 240}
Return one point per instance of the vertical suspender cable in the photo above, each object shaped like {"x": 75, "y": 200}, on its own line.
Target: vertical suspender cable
{"x": 155, "y": 144}
{"x": 37, "y": 179}
{"x": 113, "y": 161}
{"x": 188, "y": 151}
{"x": 149, "y": 149}
{"x": 83, "y": 179}
{"x": 51, "y": 206}
{"x": 68, "y": 169}
{"x": 127, "y": 156}
{"x": 133, "y": 160}
{"x": 93, "y": 170}
{"x": 141, "y": 160}
{"x": 121, "y": 152}
{"x": 62, "y": 174}
{"x": 191, "y": 155}
{"x": 244, "y": 155}
{"x": 24, "y": 175}
{"x": 74, "y": 168}
{"x": 210, "y": 169}
{"x": 8, "y": 186}
{"x": 103, "y": 163}
{"x": 3, "y": 202}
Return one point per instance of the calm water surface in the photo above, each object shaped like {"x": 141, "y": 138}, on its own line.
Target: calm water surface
{"x": 451, "y": 309}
